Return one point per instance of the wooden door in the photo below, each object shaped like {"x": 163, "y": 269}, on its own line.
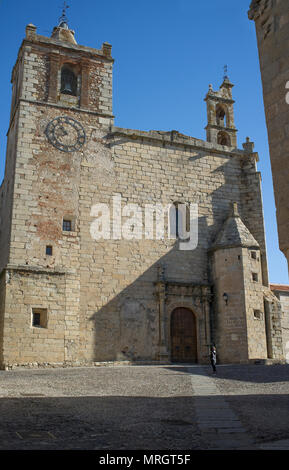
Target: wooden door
{"x": 183, "y": 336}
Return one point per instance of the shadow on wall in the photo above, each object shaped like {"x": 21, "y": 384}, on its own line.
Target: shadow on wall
{"x": 127, "y": 327}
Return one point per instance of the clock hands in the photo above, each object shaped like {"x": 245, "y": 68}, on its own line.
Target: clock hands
{"x": 65, "y": 134}
{"x": 63, "y": 131}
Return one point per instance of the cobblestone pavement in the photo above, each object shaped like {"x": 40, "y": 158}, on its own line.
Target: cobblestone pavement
{"x": 145, "y": 407}
{"x": 259, "y": 395}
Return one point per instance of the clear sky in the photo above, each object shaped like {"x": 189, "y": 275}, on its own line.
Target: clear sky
{"x": 166, "y": 54}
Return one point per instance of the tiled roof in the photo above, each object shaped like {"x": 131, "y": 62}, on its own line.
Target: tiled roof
{"x": 279, "y": 287}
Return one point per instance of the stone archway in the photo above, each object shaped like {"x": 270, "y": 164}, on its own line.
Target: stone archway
{"x": 183, "y": 336}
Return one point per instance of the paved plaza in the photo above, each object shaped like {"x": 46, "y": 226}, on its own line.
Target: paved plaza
{"x": 145, "y": 407}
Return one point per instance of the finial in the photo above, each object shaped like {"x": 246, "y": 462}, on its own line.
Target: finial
{"x": 63, "y": 21}
{"x": 226, "y": 72}
{"x": 248, "y": 146}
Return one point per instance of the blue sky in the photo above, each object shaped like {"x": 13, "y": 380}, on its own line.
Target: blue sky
{"x": 166, "y": 54}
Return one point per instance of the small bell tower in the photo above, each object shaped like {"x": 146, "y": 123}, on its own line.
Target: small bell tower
{"x": 220, "y": 110}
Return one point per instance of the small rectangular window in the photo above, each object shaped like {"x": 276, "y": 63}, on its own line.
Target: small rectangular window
{"x": 253, "y": 255}
{"x": 255, "y": 277}
{"x": 258, "y": 315}
{"x": 39, "y": 317}
{"x": 36, "y": 319}
{"x": 49, "y": 250}
{"x": 67, "y": 225}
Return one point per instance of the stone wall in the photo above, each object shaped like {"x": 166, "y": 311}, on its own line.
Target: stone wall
{"x": 255, "y": 315}
{"x": 99, "y": 298}
{"x": 115, "y": 294}
{"x": 23, "y": 343}
{"x": 230, "y": 321}
{"x": 282, "y": 293}
{"x": 272, "y": 20}
{"x": 2, "y": 312}
{"x": 284, "y": 299}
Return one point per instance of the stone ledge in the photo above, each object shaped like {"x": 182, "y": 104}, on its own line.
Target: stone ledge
{"x": 35, "y": 269}
{"x": 50, "y": 42}
{"x": 176, "y": 138}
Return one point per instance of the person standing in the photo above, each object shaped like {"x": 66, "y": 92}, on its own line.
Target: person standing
{"x": 213, "y": 358}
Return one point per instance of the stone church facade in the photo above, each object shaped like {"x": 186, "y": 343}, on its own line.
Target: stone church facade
{"x": 68, "y": 299}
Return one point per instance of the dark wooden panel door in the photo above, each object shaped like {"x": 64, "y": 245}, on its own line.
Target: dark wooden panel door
{"x": 183, "y": 336}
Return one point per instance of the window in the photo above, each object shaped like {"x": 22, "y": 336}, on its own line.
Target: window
{"x": 255, "y": 277}
{"x": 39, "y": 318}
{"x": 67, "y": 225}
{"x": 68, "y": 82}
{"x": 224, "y": 139}
{"x": 49, "y": 250}
{"x": 258, "y": 315}
{"x": 36, "y": 319}
{"x": 179, "y": 220}
{"x": 253, "y": 255}
{"x": 220, "y": 116}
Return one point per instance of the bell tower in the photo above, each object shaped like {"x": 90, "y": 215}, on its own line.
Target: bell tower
{"x": 220, "y": 110}
{"x": 61, "y": 113}
{"x": 66, "y": 75}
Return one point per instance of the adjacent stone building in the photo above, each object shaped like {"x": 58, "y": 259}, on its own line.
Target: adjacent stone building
{"x": 281, "y": 291}
{"x": 272, "y": 27}
{"x": 70, "y": 298}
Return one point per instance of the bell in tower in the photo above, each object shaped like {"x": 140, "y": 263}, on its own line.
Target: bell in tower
{"x": 68, "y": 82}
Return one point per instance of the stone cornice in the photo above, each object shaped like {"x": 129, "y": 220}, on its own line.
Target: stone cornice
{"x": 221, "y": 99}
{"x": 174, "y": 138}
{"x": 35, "y": 269}
{"x": 55, "y": 45}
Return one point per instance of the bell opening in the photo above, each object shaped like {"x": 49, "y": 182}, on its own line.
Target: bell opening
{"x": 68, "y": 82}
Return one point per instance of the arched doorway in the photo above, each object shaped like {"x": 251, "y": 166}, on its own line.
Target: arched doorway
{"x": 183, "y": 336}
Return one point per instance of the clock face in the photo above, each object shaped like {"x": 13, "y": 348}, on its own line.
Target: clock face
{"x": 66, "y": 134}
